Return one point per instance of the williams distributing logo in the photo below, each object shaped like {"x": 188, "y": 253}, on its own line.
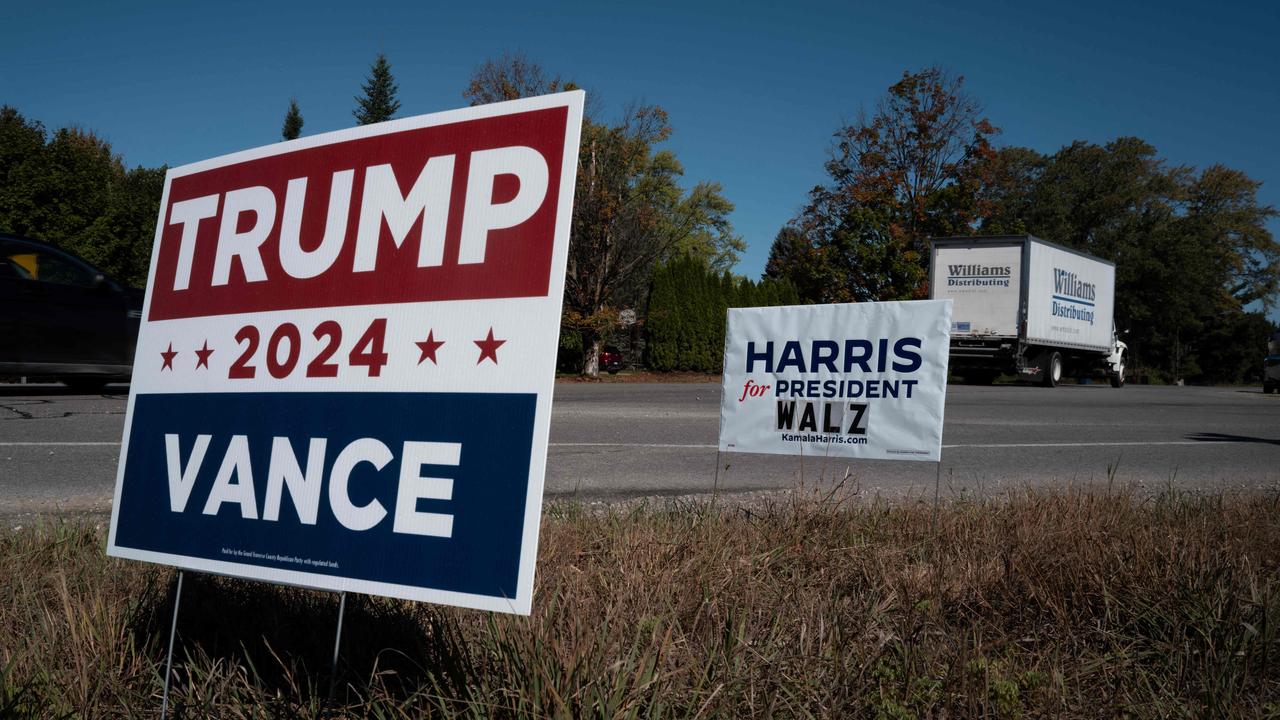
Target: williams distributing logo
{"x": 978, "y": 275}
{"x": 1073, "y": 298}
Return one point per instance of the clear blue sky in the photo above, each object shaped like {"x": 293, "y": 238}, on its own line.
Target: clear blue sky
{"x": 754, "y": 90}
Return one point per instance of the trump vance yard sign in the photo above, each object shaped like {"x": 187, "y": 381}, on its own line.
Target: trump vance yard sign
{"x": 344, "y": 372}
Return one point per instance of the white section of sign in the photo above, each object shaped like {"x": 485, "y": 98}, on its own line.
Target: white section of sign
{"x": 984, "y": 282}
{"x": 523, "y": 325}
{"x": 860, "y": 380}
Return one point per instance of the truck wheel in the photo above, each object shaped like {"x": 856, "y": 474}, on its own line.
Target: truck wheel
{"x": 1052, "y": 369}
{"x": 1117, "y": 379}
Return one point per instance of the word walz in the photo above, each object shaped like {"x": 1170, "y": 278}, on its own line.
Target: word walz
{"x": 835, "y": 417}
{"x": 246, "y": 217}
{"x": 304, "y": 481}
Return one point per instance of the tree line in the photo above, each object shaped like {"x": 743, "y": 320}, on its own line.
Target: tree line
{"x": 1191, "y": 246}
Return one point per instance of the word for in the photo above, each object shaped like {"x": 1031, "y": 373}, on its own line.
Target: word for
{"x": 751, "y": 389}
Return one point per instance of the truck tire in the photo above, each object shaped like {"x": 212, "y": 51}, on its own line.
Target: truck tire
{"x": 1052, "y": 369}
{"x": 1117, "y": 379}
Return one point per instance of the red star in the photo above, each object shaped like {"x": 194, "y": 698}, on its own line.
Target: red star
{"x": 202, "y": 356}
{"x": 168, "y": 356}
{"x": 429, "y": 347}
{"x": 489, "y": 348}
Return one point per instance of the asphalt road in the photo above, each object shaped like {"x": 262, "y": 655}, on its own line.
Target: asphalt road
{"x": 58, "y": 450}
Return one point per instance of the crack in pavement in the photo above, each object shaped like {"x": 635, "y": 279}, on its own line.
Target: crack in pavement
{"x": 19, "y": 414}
{"x": 22, "y": 414}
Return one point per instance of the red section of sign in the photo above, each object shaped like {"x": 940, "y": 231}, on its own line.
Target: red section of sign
{"x": 517, "y": 262}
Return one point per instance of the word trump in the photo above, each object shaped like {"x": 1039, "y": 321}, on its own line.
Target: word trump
{"x": 304, "y": 481}
{"x": 255, "y": 221}
{"x": 455, "y": 211}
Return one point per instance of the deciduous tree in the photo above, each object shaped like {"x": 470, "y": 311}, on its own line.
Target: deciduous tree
{"x": 629, "y": 208}
{"x": 911, "y": 168}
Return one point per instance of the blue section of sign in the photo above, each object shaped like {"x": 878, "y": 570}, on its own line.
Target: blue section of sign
{"x": 487, "y": 503}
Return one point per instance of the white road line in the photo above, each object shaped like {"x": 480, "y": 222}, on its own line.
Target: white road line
{"x": 59, "y": 444}
{"x": 713, "y": 446}
{"x": 647, "y": 445}
{"x": 1092, "y": 444}
{"x": 947, "y": 447}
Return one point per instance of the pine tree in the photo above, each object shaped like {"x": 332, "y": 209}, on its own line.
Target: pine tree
{"x": 379, "y": 102}
{"x": 292, "y": 121}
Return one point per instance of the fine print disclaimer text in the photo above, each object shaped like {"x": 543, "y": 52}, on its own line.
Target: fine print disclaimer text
{"x": 269, "y": 557}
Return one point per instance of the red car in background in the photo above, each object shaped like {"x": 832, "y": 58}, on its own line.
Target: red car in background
{"x": 610, "y": 359}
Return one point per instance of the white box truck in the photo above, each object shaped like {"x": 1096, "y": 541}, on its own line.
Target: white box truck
{"x": 1027, "y": 307}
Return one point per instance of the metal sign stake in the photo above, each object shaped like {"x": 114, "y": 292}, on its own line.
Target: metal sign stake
{"x": 937, "y": 491}
{"x": 337, "y": 642}
{"x": 168, "y": 663}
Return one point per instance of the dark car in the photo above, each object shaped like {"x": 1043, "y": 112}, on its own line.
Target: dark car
{"x": 63, "y": 319}
{"x": 1271, "y": 374}
{"x": 610, "y": 359}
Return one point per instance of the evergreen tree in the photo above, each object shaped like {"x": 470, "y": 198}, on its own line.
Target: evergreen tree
{"x": 292, "y": 121}
{"x": 379, "y": 101}
{"x": 687, "y": 304}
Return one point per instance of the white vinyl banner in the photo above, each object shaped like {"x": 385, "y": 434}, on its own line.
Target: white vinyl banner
{"x": 863, "y": 380}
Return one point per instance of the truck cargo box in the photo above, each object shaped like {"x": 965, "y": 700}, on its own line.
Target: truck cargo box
{"x": 1022, "y": 287}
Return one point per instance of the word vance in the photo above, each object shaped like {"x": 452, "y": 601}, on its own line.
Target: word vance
{"x": 304, "y": 481}
{"x": 246, "y": 217}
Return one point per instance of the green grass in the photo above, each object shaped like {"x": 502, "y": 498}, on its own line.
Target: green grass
{"x": 1037, "y": 604}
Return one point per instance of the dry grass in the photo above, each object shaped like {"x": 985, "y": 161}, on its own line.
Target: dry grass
{"x": 1071, "y": 604}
